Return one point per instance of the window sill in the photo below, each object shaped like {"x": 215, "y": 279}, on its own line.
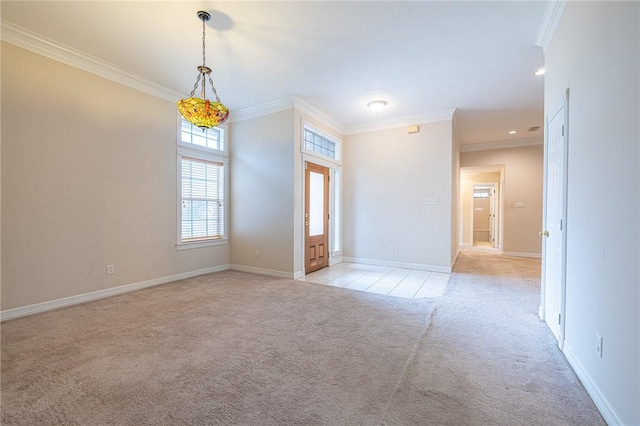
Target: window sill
{"x": 201, "y": 244}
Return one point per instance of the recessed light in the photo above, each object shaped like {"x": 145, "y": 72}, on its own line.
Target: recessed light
{"x": 377, "y": 106}
{"x": 539, "y": 72}
{"x": 513, "y": 132}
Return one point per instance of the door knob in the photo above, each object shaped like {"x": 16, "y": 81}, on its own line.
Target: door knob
{"x": 544, "y": 234}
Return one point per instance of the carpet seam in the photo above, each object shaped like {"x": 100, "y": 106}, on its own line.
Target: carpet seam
{"x": 409, "y": 362}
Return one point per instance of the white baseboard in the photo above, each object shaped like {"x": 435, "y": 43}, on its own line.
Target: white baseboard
{"x": 592, "y": 389}
{"x": 394, "y": 264}
{"x": 36, "y": 308}
{"x": 466, "y": 245}
{"x": 522, "y": 254}
{"x": 455, "y": 259}
{"x": 269, "y": 272}
{"x": 334, "y": 260}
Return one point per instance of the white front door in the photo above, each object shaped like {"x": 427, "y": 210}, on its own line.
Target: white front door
{"x": 555, "y": 225}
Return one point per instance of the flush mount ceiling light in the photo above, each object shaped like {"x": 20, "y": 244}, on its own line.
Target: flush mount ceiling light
{"x": 202, "y": 112}
{"x": 377, "y": 106}
{"x": 513, "y": 132}
{"x": 539, "y": 72}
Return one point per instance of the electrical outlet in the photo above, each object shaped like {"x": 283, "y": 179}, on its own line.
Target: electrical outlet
{"x": 111, "y": 269}
{"x": 599, "y": 345}
{"x": 392, "y": 249}
{"x": 257, "y": 253}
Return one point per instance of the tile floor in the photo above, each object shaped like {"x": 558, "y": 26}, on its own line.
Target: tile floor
{"x": 398, "y": 282}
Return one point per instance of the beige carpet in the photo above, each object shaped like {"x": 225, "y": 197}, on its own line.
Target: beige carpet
{"x": 235, "y": 348}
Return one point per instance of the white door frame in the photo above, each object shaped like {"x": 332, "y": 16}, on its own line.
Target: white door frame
{"x": 492, "y": 186}
{"x": 563, "y": 109}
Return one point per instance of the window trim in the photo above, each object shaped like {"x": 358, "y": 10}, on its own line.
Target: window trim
{"x": 198, "y": 152}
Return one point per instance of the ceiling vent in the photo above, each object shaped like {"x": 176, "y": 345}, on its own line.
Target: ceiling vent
{"x": 534, "y": 129}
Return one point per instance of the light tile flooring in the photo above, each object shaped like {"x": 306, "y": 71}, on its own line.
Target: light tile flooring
{"x": 398, "y": 282}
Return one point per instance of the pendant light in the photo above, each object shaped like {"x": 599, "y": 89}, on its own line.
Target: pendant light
{"x": 202, "y": 112}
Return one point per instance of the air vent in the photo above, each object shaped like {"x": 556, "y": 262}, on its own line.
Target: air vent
{"x": 534, "y": 129}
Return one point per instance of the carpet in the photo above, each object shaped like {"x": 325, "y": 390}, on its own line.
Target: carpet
{"x": 233, "y": 348}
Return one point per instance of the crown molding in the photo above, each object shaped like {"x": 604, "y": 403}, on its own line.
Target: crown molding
{"x": 36, "y": 43}
{"x": 290, "y": 102}
{"x": 401, "y": 122}
{"x": 305, "y": 107}
{"x": 267, "y": 108}
{"x": 550, "y": 20}
{"x": 515, "y": 143}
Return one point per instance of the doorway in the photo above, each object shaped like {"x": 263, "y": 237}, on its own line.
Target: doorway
{"x": 484, "y": 222}
{"x": 552, "y": 309}
{"x": 481, "y": 207}
{"x": 316, "y": 217}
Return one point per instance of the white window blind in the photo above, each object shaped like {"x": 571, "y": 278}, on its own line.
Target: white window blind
{"x": 202, "y": 200}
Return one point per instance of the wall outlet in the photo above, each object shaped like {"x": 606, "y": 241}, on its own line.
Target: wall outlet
{"x": 257, "y": 253}
{"x": 392, "y": 249}
{"x": 111, "y": 269}
{"x": 599, "y": 345}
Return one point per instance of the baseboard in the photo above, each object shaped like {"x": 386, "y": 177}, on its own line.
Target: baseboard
{"x": 394, "y": 264}
{"x": 455, "y": 259}
{"x": 601, "y": 402}
{"x": 522, "y": 254}
{"x": 101, "y": 294}
{"x": 334, "y": 260}
{"x": 466, "y": 245}
{"x": 269, "y": 272}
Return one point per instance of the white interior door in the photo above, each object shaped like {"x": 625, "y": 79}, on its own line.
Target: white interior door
{"x": 492, "y": 216}
{"x": 555, "y": 225}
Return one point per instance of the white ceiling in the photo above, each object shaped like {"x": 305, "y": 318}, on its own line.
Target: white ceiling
{"x": 422, "y": 57}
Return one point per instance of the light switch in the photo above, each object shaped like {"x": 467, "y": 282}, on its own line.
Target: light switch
{"x": 519, "y": 204}
{"x": 431, "y": 201}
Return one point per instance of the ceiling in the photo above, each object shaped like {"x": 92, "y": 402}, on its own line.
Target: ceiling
{"x": 424, "y": 58}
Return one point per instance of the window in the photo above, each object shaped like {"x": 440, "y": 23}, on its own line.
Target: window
{"x": 202, "y": 175}
{"x": 202, "y": 200}
{"x": 319, "y": 144}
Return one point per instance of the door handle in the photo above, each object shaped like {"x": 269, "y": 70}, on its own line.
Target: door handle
{"x": 544, "y": 234}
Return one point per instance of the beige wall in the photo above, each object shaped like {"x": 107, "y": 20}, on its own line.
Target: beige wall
{"x": 388, "y": 175}
{"x": 595, "y": 52}
{"x": 262, "y": 193}
{"x": 523, "y": 168}
{"x": 88, "y": 179}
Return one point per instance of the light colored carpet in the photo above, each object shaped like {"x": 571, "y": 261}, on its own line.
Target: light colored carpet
{"x": 236, "y": 348}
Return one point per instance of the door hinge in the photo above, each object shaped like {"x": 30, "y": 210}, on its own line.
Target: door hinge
{"x": 563, "y": 130}
{"x": 306, "y": 163}
{"x": 559, "y": 319}
{"x": 561, "y": 224}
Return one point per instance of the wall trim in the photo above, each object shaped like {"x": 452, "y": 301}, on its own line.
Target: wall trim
{"x": 37, "y": 308}
{"x": 549, "y": 23}
{"x": 522, "y": 254}
{"x": 593, "y": 390}
{"x": 455, "y": 258}
{"x": 36, "y": 43}
{"x": 334, "y": 260}
{"x": 418, "y": 266}
{"x": 290, "y": 102}
{"x": 264, "y": 271}
{"x": 444, "y": 115}
{"x": 516, "y": 143}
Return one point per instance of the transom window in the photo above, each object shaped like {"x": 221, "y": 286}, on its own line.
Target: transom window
{"x": 209, "y": 138}
{"x": 319, "y": 144}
